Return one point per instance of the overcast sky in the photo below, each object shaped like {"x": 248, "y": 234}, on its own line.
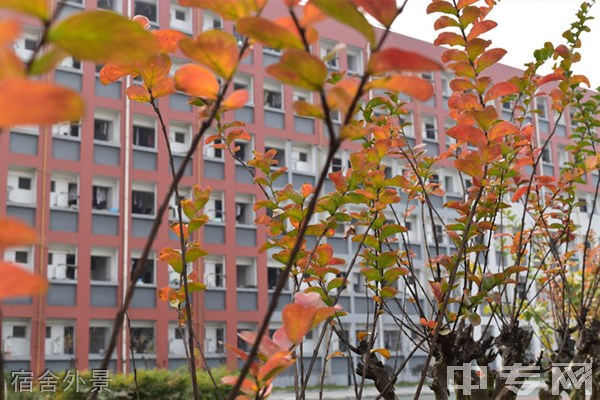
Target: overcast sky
{"x": 523, "y": 26}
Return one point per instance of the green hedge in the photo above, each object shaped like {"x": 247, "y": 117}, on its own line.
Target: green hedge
{"x": 154, "y": 384}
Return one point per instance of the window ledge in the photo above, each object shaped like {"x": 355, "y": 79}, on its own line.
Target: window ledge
{"x": 61, "y": 357}
{"x": 143, "y": 216}
{"x": 67, "y": 138}
{"x": 433, "y": 141}
{"x": 245, "y": 226}
{"x": 107, "y": 143}
{"x": 141, "y": 285}
{"x": 216, "y": 223}
{"x": 72, "y": 70}
{"x": 219, "y": 289}
{"x": 71, "y": 209}
{"x": 103, "y": 283}
{"x": 62, "y": 281}
{"x": 215, "y": 159}
{"x": 306, "y": 173}
{"x": 275, "y": 110}
{"x": 17, "y": 204}
{"x": 145, "y": 149}
{"x": 106, "y": 212}
{"x": 98, "y": 356}
{"x": 247, "y": 289}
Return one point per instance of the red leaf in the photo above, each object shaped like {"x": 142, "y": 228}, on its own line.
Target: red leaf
{"x": 479, "y": 28}
{"x": 468, "y": 134}
{"x": 17, "y": 281}
{"x": 519, "y": 193}
{"x": 197, "y": 81}
{"x": 383, "y": 11}
{"x": 393, "y": 59}
{"x": 168, "y": 39}
{"x": 501, "y": 130}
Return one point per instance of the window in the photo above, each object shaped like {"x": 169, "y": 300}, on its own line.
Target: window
{"x": 435, "y": 178}
{"x": 327, "y": 47}
{"x": 142, "y": 339}
{"x": 429, "y": 127}
{"x": 354, "y": 60}
{"x": 358, "y": 283}
{"x": 22, "y": 257}
{"x": 21, "y": 187}
{"x": 142, "y": 199}
{"x": 273, "y": 95}
{"x": 214, "y": 271}
{"x": 246, "y": 272}
{"x": 244, "y": 151}
{"x": 214, "y": 336}
{"x": 301, "y": 160}
{"x": 336, "y": 164}
{"x": 147, "y": 276}
{"x": 67, "y": 129}
{"x": 114, "y": 5}
{"x": 244, "y": 82}
{"x": 148, "y": 8}
{"x": 215, "y": 207}
{"x": 446, "y": 89}
{"x": 61, "y": 340}
{"x": 279, "y": 155}
{"x": 19, "y": 331}
{"x": 449, "y": 184}
{"x": 428, "y": 76}
{"x": 184, "y": 193}
{"x": 273, "y": 274}
{"x": 542, "y": 107}
{"x": 406, "y": 122}
{"x": 26, "y": 45}
{"x": 245, "y": 327}
{"x": 70, "y": 63}
{"x": 243, "y": 209}
{"x": 210, "y": 151}
{"x": 64, "y": 190}
{"x": 391, "y": 339}
{"x": 98, "y": 339}
{"x": 302, "y": 95}
{"x": 143, "y": 136}
{"x": 521, "y": 290}
{"x": 439, "y": 232}
{"x": 583, "y": 205}
{"x": 62, "y": 263}
{"x": 105, "y": 125}
{"x": 211, "y": 21}
{"x": 547, "y": 155}
{"x": 103, "y": 265}
{"x": 180, "y": 136}
{"x": 181, "y": 17}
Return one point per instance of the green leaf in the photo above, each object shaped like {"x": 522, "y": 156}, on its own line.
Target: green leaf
{"x": 268, "y": 33}
{"x": 47, "y": 61}
{"x": 301, "y": 69}
{"x": 103, "y": 36}
{"x": 347, "y": 13}
{"x": 194, "y": 253}
{"x": 37, "y": 8}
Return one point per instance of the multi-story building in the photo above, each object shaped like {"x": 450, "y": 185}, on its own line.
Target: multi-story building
{"x": 91, "y": 190}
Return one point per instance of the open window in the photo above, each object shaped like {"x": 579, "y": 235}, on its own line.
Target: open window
{"x": 214, "y": 337}
{"x": 184, "y": 193}
{"x": 273, "y": 95}
{"x": 143, "y": 198}
{"x": 214, "y": 271}
{"x": 181, "y": 17}
{"x": 142, "y": 337}
{"x": 148, "y": 276}
{"x": 26, "y": 44}
{"x": 547, "y": 154}
{"x": 60, "y": 337}
{"x": 407, "y": 122}
{"x": 103, "y": 265}
{"x": 99, "y": 335}
{"x": 21, "y": 186}
{"x": 105, "y": 194}
{"x": 106, "y": 124}
{"x": 215, "y": 207}
{"x": 246, "y": 272}
{"x": 147, "y": 8}
{"x": 244, "y": 82}
{"x": 144, "y": 132}
{"x": 354, "y": 60}
{"x": 62, "y": 263}
{"x": 326, "y": 47}
{"x": 302, "y": 160}
{"x": 429, "y": 127}
{"x": 64, "y": 190}
{"x": 244, "y": 213}
{"x": 211, "y": 22}
{"x": 245, "y": 148}
{"x": 273, "y": 274}
{"x": 20, "y": 255}
{"x": 112, "y": 5}
{"x": 68, "y": 129}
{"x": 279, "y": 155}
{"x": 180, "y": 136}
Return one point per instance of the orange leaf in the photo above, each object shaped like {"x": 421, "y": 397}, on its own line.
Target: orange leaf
{"x": 300, "y": 69}
{"x": 113, "y": 72}
{"x": 591, "y": 162}
{"x": 470, "y": 165}
{"x": 138, "y": 93}
{"x": 275, "y": 365}
{"x": 17, "y": 281}
{"x": 155, "y": 69}
{"x": 488, "y": 59}
{"x": 468, "y": 134}
{"x": 479, "y": 28}
{"x": 217, "y": 50}
{"x": 24, "y": 102}
{"x": 312, "y": 15}
{"x": 15, "y": 233}
{"x": 164, "y": 87}
{"x": 502, "y": 129}
{"x": 9, "y": 31}
{"x": 37, "y": 8}
{"x": 393, "y": 59}
{"x": 449, "y": 38}
{"x": 413, "y": 86}
{"x": 269, "y": 33}
{"x": 197, "y": 81}
{"x": 383, "y": 11}
{"x": 297, "y": 321}
{"x": 500, "y": 90}
{"x": 168, "y": 39}
{"x": 236, "y": 100}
